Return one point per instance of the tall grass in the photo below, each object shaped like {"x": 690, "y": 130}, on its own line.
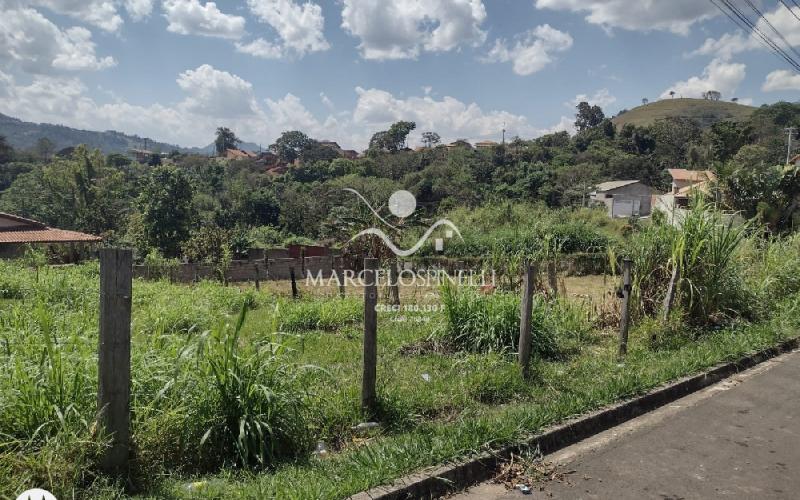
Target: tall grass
{"x": 712, "y": 287}
{"x": 486, "y": 323}
{"x": 260, "y": 405}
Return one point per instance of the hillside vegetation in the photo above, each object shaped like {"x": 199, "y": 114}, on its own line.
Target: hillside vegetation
{"x": 704, "y": 112}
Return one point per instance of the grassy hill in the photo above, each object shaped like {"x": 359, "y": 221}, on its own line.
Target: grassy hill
{"x": 705, "y": 112}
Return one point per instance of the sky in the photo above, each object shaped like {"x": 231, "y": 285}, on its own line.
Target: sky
{"x": 174, "y": 70}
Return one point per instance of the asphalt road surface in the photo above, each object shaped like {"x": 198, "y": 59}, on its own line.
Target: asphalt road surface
{"x": 737, "y": 439}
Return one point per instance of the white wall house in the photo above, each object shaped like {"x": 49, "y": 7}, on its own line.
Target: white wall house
{"x": 628, "y": 198}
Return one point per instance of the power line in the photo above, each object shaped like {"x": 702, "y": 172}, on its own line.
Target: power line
{"x": 789, "y": 8}
{"x": 759, "y": 14}
{"x": 742, "y": 21}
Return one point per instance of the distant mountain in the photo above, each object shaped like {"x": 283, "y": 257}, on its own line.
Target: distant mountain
{"x": 23, "y": 135}
{"x": 211, "y": 149}
{"x": 705, "y": 112}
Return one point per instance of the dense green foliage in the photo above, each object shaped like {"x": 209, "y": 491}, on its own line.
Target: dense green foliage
{"x": 128, "y": 203}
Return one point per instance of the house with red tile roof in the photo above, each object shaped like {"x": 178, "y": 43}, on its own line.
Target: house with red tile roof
{"x": 18, "y": 232}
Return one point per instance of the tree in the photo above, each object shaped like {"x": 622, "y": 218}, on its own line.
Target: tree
{"x": 672, "y": 94}
{"x": 394, "y": 139}
{"x": 155, "y": 160}
{"x": 430, "y": 139}
{"x": 6, "y": 151}
{"x": 166, "y": 206}
{"x": 712, "y": 95}
{"x": 588, "y": 116}
{"x": 44, "y": 148}
{"x": 225, "y": 140}
{"x": 290, "y": 145}
{"x": 645, "y": 100}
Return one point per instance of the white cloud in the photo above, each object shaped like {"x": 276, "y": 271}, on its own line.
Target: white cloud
{"x": 532, "y": 50}
{"x": 37, "y": 46}
{"x": 216, "y": 98}
{"x": 300, "y": 27}
{"x": 781, "y": 79}
{"x": 400, "y": 29}
{"x": 138, "y": 9}
{"x": 376, "y": 109}
{"x": 719, "y": 75}
{"x": 676, "y": 16}
{"x": 216, "y": 93}
{"x": 600, "y": 98}
{"x": 730, "y": 44}
{"x": 260, "y": 48}
{"x": 326, "y": 100}
{"x": 100, "y": 13}
{"x": 190, "y": 17}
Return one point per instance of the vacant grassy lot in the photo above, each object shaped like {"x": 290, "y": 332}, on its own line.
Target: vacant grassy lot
{"x": 234, "y": 389}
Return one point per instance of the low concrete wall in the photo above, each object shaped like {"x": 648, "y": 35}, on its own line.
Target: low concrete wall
{"x": 239, "y": 270}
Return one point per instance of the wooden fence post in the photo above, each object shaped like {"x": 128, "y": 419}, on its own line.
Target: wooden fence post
{"x": 258, "y": 277}
{"x": 294, "y": 282}
{"x": 368, "y": 394}
{"x": 552, "y": 277}
{"x": 525, "y": 311}
{"x": 394, "y": 286}
{"x": 624, "y": 313}
{"x": 340, "y": 274}
{"x": 114, "y": 356}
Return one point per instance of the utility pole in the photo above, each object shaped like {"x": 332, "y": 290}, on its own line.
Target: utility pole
{"x": 789, "y": 133}
{"x": 504, "y": 134}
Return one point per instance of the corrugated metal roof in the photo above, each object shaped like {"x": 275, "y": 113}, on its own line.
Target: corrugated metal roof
{"x": 608, "y": 186}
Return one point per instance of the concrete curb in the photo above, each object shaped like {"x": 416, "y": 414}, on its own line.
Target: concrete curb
{"x": 447, "y": 479}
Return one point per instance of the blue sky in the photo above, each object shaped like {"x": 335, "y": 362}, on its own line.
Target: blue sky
{"x": 173, "y": 70}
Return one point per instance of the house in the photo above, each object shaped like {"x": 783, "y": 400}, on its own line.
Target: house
{"x": 629, "y": 198}
{"x": 350, "y": 154}
{"x": 485, "y": 144}
{"x": 460, "y": 143}
{"x": 238, "y": 154}
{"x": 685, "y": 185}
{"x": 18, "y": 232}
{"x": 682, "y": 178}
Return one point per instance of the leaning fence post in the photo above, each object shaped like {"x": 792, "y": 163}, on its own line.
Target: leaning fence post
{"x": 368, "y": 394}
{"x": 526, "y": 306}
{"x": 624, "y": 319}
{"x": 669, "y": 300}
{"x": 114, "y": 356}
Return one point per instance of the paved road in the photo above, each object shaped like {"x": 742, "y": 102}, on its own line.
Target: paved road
{"x": 737, "y": 439}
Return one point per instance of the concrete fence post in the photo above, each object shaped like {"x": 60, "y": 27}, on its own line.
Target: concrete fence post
{"x": 525, "y": 312}
{"x": 624, "y": 319}
{"x": 114, "y": 356}
{"x": 368, "y": 392}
